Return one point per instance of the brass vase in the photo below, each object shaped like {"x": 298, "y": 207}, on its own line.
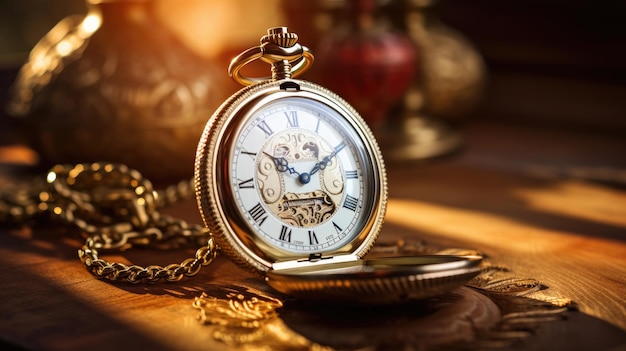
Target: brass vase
{"x": 115, "y": 85}
{"x": 448, "y": 85}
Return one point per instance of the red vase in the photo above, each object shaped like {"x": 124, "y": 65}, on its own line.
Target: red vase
{"x": 366, "y": 61}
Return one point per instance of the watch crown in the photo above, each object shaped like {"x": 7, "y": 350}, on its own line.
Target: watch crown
{"x": 279, "y": 48}
{"x": 280, "y": 36}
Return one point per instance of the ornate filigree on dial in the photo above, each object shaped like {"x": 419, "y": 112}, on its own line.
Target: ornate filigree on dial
{"x": 288, "y": 185}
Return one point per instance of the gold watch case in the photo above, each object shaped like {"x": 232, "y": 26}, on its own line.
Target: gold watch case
{"x": 213, "y": 189}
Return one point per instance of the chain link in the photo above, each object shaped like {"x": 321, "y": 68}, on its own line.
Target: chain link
{"x": 116, "y": 208}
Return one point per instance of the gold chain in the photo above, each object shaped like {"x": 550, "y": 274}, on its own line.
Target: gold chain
{"x": 116, "y": 208}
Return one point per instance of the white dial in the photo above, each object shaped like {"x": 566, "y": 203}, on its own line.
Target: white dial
{"x": 297, "y": 171}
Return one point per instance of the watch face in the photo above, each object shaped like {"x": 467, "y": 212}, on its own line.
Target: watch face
{"x": 297, "y": 174}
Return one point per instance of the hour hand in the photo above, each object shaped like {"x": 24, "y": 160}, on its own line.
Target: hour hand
{"x": 282, "y": 165}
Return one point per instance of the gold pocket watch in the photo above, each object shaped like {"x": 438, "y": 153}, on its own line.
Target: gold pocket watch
{"x": 291, "y": 183}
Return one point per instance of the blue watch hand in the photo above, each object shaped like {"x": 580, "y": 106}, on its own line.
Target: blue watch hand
{"x": 320, "y": 165}
{"x": 326, "y": 160}
{"x": 282, "y": 165}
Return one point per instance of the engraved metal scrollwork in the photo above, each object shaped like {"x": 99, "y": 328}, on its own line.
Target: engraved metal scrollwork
{"x": 306, "y": 210}
{"x": 244, "y": 319}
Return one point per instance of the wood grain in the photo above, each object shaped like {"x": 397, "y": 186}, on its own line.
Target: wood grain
{"x": 590, "y": 271}
{"x": 520, "y": 201}
{"x": 520, "y": 205}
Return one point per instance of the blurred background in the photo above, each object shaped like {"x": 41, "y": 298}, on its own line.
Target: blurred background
{"x": 134, "y": 81}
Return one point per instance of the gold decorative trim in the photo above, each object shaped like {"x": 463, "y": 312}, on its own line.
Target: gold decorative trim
{"x": 522, "y": 315}
{"x": 245, "y": 318}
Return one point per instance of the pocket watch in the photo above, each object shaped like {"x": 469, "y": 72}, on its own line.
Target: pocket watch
{"x": 291, "y": 183}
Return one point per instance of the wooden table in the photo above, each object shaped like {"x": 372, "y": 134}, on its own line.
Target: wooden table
{"x": 546, "y": 208}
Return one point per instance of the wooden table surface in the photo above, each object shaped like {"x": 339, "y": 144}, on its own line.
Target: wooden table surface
{"x": 543, "y": 205}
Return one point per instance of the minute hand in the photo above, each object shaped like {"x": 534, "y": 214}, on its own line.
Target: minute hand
{"x": 326, "y": 160}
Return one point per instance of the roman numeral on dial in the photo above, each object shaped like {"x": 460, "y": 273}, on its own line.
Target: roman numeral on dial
{"x": 351, "y": 203}
{"x": 251, "y": 154}
{"x": 246, "y": 184}
{"x": 312, "y": 238}
{"x": 292, "y": 119}
{"x": 258, "y": 213}
{"x": 337, "y": 227}
{"x": 265, "y": 128}
{"x": 285, "y": 234}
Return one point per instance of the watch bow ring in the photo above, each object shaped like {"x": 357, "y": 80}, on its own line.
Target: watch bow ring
{"x": 279, "y": 48}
